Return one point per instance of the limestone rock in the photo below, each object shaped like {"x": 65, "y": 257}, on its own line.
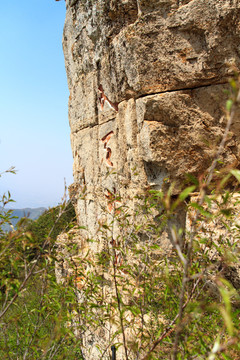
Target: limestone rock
{"x": 166, "y": 64}
{"x": 147, "y": 100}
{"x": 133, "y": 49}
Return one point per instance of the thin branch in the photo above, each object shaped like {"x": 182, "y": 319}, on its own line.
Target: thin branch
{"x": 175, "y": 243}
{"x": 220, "y": 348}
{"x": 38, "y": 324}
{"x": 51, "y": 356}
{"x": 119, "y": 306}
{"x": 6, "y": 343}
{"x": 35, "y": 262}
{"x": 194, "y": 222}
{"x": 116, "y": 284}
{"x": 169, "y": 329}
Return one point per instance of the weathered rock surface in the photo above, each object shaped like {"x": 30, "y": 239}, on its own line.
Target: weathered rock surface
{"x": 165, "y": 63}
{"x": 161, "y": 67}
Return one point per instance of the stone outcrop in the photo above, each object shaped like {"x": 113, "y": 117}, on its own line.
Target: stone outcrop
{"x": 165, "y": 64}
{"x": 147, "y": 100}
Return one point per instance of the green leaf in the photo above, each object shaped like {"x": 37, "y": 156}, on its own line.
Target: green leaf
{"x": 134, "y": 310}
{"x": 227, "y": 212}
{"x": 193, "y": 179}
{"x": 227, "y": 319}
{"x": 233, "y": 84}
{"x": 201, "y": 210}
{"x": 184, "y": 194}
{"x": 236, "y": 173}
{"x": 229, "y": 105}
{"x": 155, "y": 247}
{"x": 226, "y": 357}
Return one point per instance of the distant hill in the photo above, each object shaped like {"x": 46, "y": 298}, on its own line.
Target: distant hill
{"x": 30, "y": 213}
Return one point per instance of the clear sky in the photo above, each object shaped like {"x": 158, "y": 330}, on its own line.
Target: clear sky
{"x": 34, "y": 129}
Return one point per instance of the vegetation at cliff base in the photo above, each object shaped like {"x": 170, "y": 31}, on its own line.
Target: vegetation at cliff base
{"x": 152, "y": 286}
{"x": 128, "y": 283}
{"x": 35, "y": 324}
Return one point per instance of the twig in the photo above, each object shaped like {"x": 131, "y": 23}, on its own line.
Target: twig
{"x": 57, "y": 348}
{"x": 37, "y": 324}
{"x": 6, "y": 343}
{"x": 119, "y": 303}
{"x": 27, "y": 277}
{"x": 175, "y": 243}
{"x": 169, "y": 328}
{"x": 221, "y": 348}
{"x": 194, "y": 222}
{"x": 116, "y": 285}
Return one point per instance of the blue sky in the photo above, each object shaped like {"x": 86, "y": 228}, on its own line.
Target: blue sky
{"x": 34, "y": 129}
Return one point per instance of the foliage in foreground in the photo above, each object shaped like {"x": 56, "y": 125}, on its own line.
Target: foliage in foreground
{"x": 159, "y": 306}
{"x": 183, "y": 303}
{"x": 34, "y": 326}
{"x": 143, "y": 287}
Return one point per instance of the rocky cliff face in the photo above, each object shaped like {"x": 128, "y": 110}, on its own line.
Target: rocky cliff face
{"x": 146, "y": 105}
